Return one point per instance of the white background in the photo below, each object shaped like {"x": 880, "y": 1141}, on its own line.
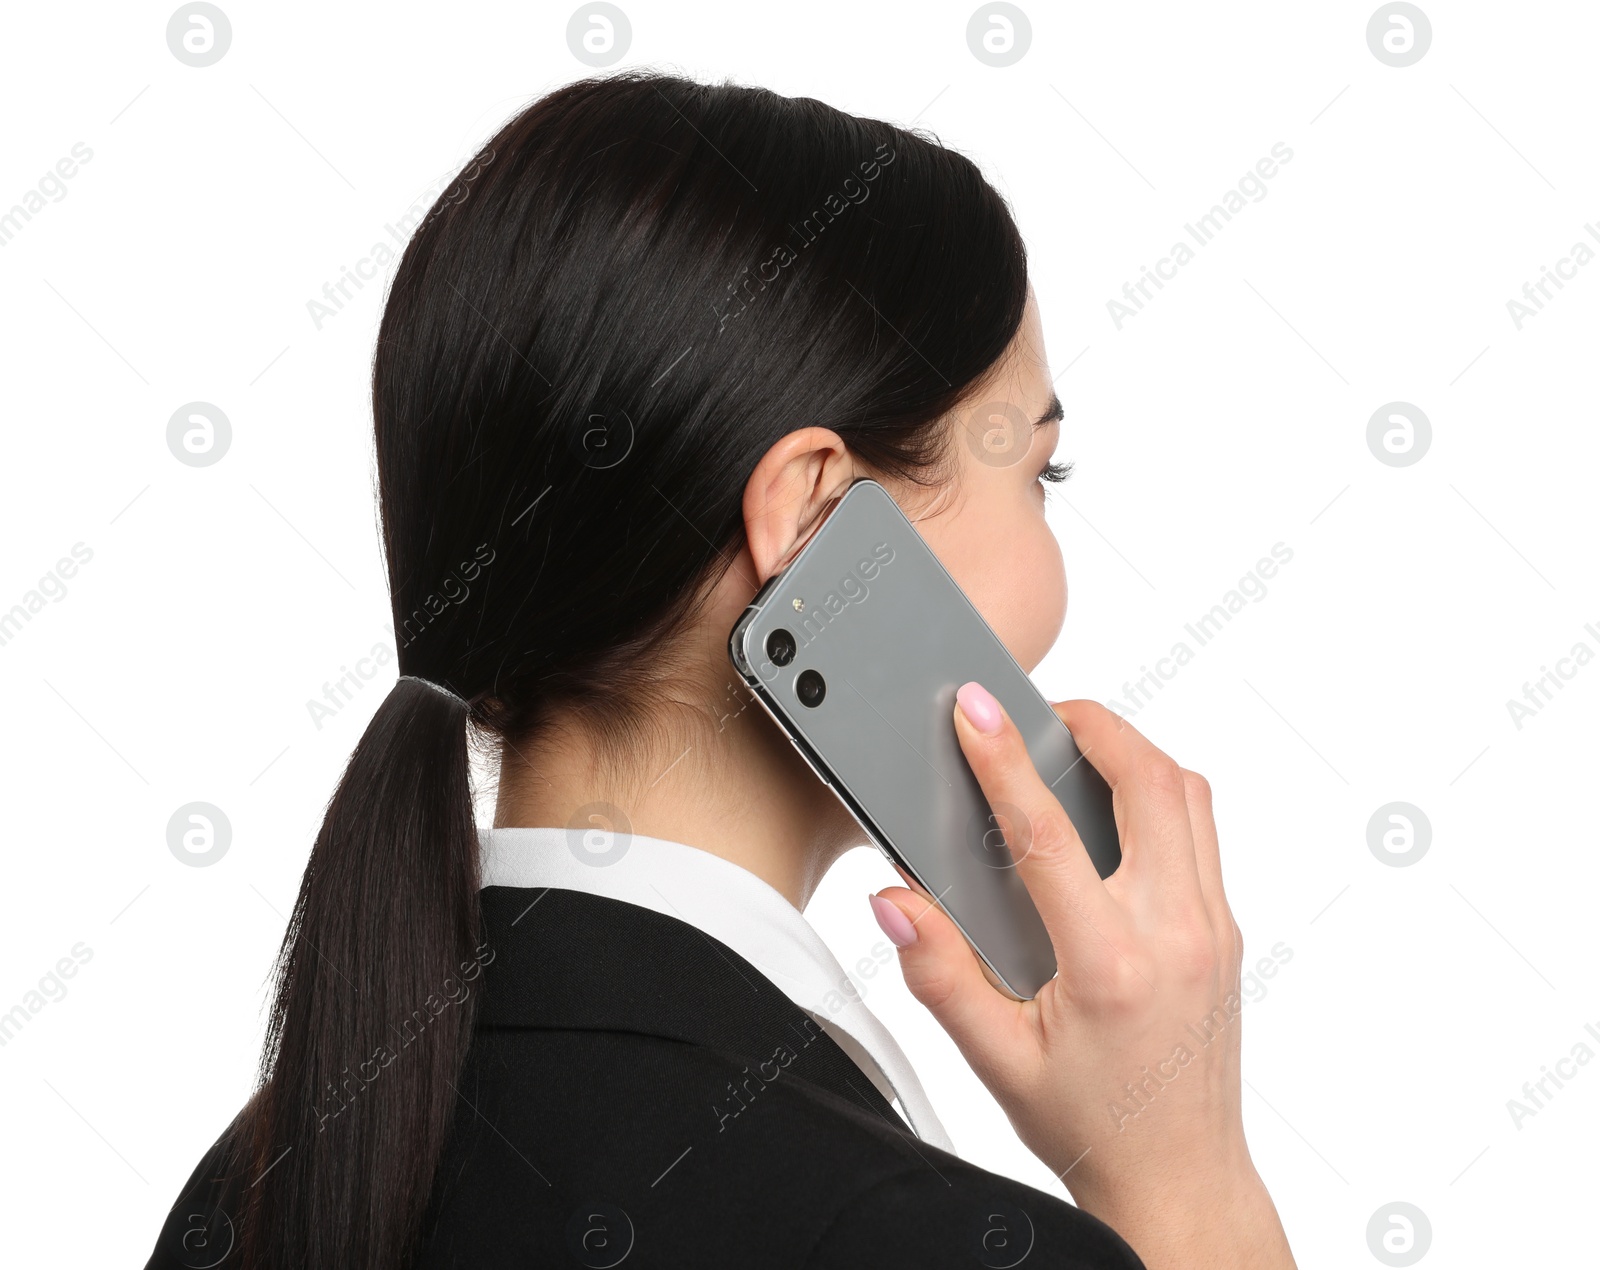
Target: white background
{"x": 1229, "y": 415}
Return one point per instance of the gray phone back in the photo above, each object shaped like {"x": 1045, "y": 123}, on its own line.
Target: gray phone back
{"x": 871, "y": 610}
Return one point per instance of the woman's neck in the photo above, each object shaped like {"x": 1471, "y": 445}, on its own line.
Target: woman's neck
{"x": 711, "y": 771}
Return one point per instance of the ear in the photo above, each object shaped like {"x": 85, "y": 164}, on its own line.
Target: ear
{"x": 789, "y": 490}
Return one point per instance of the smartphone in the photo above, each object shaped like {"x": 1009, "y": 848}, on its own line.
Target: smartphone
{"x": 856, "y": 648}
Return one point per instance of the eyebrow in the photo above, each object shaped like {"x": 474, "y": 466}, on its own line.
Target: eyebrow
{"x": 1053, "y": 413}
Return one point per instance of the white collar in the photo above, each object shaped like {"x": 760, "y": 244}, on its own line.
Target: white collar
{"x": 734, "y": 906}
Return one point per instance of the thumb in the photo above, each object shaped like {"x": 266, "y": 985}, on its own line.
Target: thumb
{"x": 944, "y": 974}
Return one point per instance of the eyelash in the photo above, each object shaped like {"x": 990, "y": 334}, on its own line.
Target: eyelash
{"x": 1056, "y": 472}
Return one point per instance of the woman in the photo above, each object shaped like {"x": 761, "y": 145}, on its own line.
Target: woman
{"x": 626, "y": 364}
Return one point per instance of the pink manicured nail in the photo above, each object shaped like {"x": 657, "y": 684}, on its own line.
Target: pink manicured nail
{"x": 893, "y": 923}
{"x": 981, "y": 709}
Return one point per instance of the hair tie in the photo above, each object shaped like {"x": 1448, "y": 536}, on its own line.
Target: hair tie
{"x": 440, "y": 688}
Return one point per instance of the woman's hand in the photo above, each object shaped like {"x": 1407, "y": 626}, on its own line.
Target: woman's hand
{"x": 1122, "y": 1075}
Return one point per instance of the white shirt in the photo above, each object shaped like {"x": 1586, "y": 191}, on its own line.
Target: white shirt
{"x": 734, "y": 906}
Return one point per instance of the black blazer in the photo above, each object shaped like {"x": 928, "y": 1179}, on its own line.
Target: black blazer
{"x": 637, "y": 1093}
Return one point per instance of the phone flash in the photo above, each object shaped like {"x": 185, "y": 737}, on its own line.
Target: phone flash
{"x": 799, "y": 604}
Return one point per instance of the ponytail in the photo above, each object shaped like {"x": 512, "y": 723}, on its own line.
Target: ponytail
{"x": 369, "y": 1023}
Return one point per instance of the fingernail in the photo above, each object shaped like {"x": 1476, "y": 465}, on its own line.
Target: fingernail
{"x": 981, "y": 709}
{"x": 893, "y": 923}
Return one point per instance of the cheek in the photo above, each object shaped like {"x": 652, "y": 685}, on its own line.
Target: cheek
{"x": 1014, "y": 575}
{"x": 1039, "y": 598}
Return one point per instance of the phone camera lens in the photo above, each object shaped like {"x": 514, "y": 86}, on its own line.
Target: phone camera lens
{"x": 810, "y": 688}
{"x": 781, "y": 648}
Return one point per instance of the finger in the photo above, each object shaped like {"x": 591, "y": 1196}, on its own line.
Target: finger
{"x": 1050, "y": 857}
{"x": 1208, "y": 856}
{"x": 944, "y": 974}
{"x": 1148, "y": 797}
